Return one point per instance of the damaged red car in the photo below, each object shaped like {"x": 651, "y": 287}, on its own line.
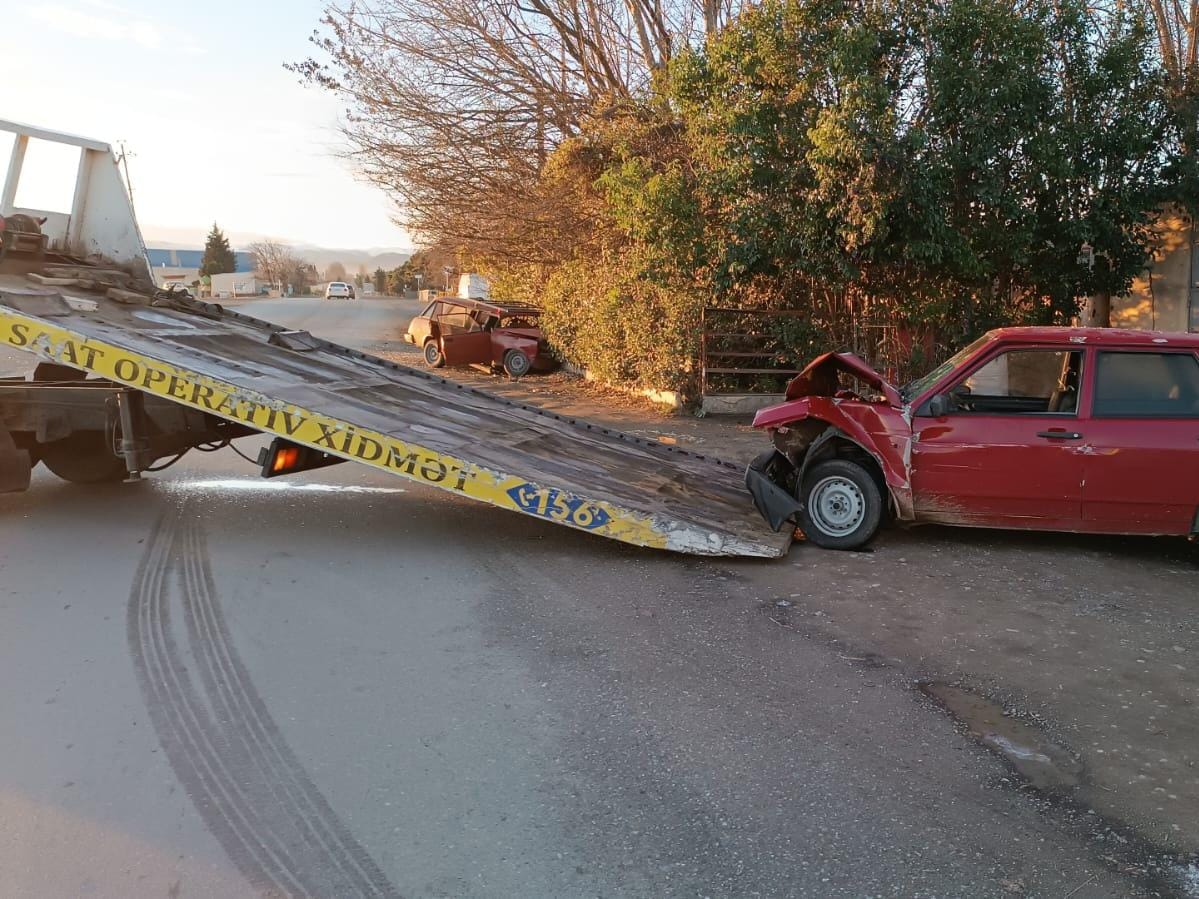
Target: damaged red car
{"x": 1058, "y": 429}
{"x": 459, "y": 331}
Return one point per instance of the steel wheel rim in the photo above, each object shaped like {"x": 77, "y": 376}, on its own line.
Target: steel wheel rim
{"x": 836, "y": 506}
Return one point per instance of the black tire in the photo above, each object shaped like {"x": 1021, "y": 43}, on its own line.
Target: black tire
{"x": 842, "y": 505}
{"x": 84, "y": 458}
{"x": 516, "y": 364}
{"x": 433, "y": 356}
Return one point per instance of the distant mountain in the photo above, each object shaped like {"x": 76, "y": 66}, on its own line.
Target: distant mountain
{"x": 351, "y": 259}
{"x": 385, "y": 258}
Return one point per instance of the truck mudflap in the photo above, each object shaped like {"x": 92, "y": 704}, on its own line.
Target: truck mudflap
{"x": 404, "y": 421}
{"x": 15, "y": 464}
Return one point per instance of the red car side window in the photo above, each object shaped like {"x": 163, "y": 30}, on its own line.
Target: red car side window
{"x": 1146, "y": 385}
{"x": 1023, "y": 382}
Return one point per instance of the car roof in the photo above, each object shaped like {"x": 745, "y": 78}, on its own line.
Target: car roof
{"x": 494, "y": 308}
{"x": 1094, "y": 337}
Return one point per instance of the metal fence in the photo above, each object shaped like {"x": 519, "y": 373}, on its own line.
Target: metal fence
{"x": 757, "y": 351}
{"x": 742, "y": 351}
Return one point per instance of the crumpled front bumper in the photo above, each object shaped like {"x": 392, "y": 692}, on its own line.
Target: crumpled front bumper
{"x": 765, "y": 478}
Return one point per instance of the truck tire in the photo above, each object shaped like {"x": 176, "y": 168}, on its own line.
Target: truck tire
{"x": 842, "y": 505}
{"x": 516, "y": 364}
{"x": 83, "y": 458}
{"x": 433, "y": 357}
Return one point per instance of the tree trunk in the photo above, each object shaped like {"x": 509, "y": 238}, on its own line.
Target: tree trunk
{"x": 1097, "y": 310}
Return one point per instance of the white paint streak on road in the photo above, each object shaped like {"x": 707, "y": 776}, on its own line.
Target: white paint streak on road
{"x": 268, "y": 486}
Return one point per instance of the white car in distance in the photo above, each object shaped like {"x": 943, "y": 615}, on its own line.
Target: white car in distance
{"x": 339, "y": 290}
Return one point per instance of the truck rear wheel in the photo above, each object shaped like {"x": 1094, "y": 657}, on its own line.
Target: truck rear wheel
{"x": 842, "y": 505}
{"x": 85, "y": 457}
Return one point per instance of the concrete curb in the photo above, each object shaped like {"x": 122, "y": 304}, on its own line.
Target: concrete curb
{"x": 671, "y": 399}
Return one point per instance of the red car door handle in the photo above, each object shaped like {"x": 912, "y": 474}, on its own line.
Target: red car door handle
{"x": 1060, "y": 435}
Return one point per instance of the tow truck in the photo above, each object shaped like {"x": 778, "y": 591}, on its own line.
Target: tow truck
{"x": 131, "y": 378}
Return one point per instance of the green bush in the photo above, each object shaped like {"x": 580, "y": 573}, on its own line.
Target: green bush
{"x": 608, "y": 318}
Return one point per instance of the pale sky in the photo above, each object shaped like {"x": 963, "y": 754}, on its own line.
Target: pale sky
{"x": 217, "y": 129}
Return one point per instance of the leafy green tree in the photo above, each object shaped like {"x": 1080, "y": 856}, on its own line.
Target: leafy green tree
{"x": 421, "y": 269}
{"x": 1039, "y": 139}
{"x": 380, "y": 279}
{"x": 218, "y": 255}
{"x": 943, "y": 163}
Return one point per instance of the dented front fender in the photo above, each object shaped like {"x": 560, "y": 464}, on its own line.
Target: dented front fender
{"x": 801, "y": 426}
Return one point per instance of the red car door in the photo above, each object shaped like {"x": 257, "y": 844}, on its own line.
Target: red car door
{"x": 463, "y": 341}
{"x": 1141, "y": 448}
{"x": 1006, "y": 452}
{"x": 466, "y": 348}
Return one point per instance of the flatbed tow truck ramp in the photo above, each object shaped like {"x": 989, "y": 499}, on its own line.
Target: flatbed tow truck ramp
{"x": 166, "y": 373}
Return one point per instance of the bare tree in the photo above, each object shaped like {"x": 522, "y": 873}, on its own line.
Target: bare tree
{"x": 272, "y": 261}
{"x": 335, "y": 271}
{"x": 279, "y": 265}
{"x": 1175, "y": 22}
{"x": 455, "y": 105}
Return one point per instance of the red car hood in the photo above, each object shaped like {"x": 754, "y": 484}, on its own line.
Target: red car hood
{"x": 820, "y": 378}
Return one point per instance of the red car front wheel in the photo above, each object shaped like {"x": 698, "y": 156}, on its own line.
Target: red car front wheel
{"x": 842, "y": 505}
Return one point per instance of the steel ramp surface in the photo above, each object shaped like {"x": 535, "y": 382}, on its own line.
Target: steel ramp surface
{"x": 401, "y": 420}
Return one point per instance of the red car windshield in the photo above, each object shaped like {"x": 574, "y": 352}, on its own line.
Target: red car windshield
{"x": 913, "y": 389}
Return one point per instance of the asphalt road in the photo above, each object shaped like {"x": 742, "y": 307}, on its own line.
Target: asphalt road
{"x": 347, "y": 685}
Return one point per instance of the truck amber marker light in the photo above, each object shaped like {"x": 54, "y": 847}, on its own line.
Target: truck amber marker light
{"x": 285, "y": 459}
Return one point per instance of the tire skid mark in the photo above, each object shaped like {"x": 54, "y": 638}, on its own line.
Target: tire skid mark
{"x": 222, "y": 744}
{"x": 185, "y": 729}
{"x": 200, "y": 633}
{"x": 228, "y": 680}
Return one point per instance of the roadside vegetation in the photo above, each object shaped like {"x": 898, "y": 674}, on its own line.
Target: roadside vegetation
{"x": 937, "y": 168}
